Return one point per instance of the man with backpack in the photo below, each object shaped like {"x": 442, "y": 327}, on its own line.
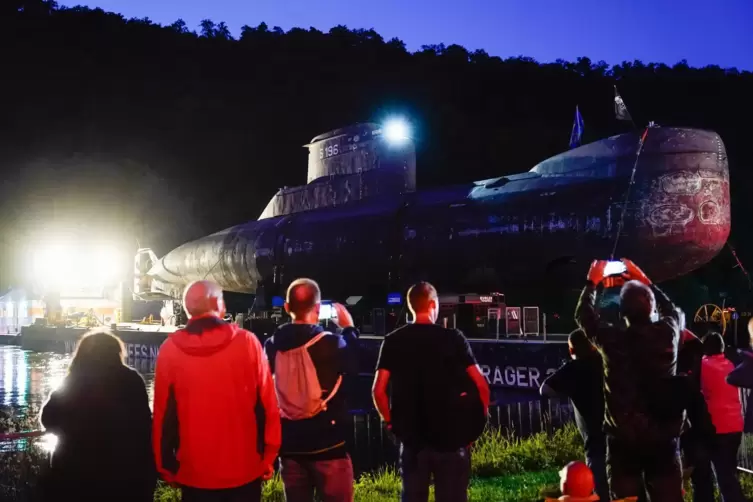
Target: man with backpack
{"x": 439, "y": 403}
{"x": 308, "y": 364}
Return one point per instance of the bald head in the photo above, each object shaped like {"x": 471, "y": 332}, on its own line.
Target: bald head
{"x": 303, "y": 298}
{"x": 420, "y": 296}
{"x": 423, "y": 302}
{"x": 203, "y": 297}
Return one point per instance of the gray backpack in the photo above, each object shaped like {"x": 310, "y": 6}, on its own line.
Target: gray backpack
{"x": 298, "y": 390}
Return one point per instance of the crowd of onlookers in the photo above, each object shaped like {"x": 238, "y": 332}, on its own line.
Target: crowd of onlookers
{"x": 226, "y": 408}
{"x": 645, "y": 389}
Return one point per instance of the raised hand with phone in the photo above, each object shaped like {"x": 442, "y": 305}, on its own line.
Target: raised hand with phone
{"x": 644, "y": 400}
{"x": 342, "y": 317}
{"x": 615, "y": 273}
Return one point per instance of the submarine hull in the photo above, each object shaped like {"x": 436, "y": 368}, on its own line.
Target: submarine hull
{"x": 526, "y": 231}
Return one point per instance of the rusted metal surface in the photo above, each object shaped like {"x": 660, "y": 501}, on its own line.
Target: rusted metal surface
{"x": 492, "y": 235}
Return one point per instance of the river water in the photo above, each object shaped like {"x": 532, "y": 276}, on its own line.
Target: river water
{"x": 27, "y": 378}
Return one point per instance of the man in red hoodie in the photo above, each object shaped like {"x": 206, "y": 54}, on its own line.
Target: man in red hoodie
{"x": 724, "y": 405}
{"x": 216, "y": 429}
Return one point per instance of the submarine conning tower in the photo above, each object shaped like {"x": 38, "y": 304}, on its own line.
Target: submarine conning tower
{"x": 350, "y": 164}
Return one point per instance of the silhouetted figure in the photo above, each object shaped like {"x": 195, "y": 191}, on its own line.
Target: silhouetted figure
{"x": 726, "y": 412}
{"x": 216, "y": 421}
{"x": 309, "y": 363}
{"x": 581, "y": 379}
{"x": 643, "y": 397}
{"x": 698, "y": 431}
{"x": 439, "y": 400}
{"x": 101, "y": 418}
{"x": 742, "y": 376}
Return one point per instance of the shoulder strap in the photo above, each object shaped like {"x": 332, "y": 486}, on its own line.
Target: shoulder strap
{"x": 339, "y": 377}
{"x": 333, "y": 392}
{"x": 316, "y": 339}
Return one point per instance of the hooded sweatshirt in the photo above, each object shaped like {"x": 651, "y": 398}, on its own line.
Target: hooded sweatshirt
{"x": 216, "y": 422}
{"x": 321, "y": 437}
{"x": 722, "y": 398}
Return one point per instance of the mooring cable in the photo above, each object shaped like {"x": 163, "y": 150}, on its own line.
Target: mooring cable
{"x": 627, "y": 192}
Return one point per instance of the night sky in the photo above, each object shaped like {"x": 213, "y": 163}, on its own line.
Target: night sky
{"x": 700, "y": 31}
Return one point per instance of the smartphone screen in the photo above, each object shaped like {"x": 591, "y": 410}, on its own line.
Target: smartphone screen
{"x": 614, "y": 268}
{"x": 326, "y": 311}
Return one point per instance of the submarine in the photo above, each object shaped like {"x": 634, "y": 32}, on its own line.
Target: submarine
{"x": 360, "y": 226}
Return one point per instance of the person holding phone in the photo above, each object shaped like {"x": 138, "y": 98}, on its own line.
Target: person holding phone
{"x": 644, "y": 401}
{"x": 308, "y": 364}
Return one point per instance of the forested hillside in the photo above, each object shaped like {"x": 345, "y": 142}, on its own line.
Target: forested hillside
{"x": 179, "y": 133}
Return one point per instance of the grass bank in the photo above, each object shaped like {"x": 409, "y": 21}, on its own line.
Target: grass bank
{"x": 505, "y": 469}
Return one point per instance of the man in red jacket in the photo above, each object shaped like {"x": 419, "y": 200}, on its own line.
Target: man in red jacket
{"x": 216, "y": 429}
{"x": 726, "y": 412}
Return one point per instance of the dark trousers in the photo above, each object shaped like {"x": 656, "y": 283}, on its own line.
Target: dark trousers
{"x": 451, "y": 472}
{"x": 696, "y": 449}
{"x": 332, "y": 479}
{"x": 246, "y": 493}
{"x": 596, "y": 459}
{"x": 658, "y": 464}
{"x": 724, "y": 459}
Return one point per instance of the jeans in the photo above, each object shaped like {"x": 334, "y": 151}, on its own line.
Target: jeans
{"x": 657, "y": 463}
{"x": 332, "y": 479}
{"x": 451, "y": 471}
{"x": 596, "y": 459}
{"x": 250, "y": 492}
{"x": 724, "y": 458}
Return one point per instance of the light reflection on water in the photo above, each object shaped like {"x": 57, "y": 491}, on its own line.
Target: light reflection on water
{"x": 29, "y": 377}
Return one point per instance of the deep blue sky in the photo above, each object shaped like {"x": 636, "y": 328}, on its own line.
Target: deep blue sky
{"x": 701, "y": 31}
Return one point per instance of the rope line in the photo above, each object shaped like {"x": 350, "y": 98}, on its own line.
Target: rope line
{"x": 627, "y": 192}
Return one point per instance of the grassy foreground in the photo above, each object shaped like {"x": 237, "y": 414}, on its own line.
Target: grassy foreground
{"x": 505, "y": 469}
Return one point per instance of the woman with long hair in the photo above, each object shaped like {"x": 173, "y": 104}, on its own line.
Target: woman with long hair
{"x": 101, "y": 417}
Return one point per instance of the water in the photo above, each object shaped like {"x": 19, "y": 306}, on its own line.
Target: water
{"x": 27, "y": 378}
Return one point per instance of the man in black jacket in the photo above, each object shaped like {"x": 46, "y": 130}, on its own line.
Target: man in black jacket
{"x": 313, "y": 454}
{"x": 742, "y": 376}
{"x": 643, "y": 413}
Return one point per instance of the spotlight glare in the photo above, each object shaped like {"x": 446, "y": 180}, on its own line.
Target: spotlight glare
{"x": 396, "y": 131}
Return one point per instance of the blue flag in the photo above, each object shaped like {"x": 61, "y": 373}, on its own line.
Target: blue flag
{"x": 577, "y": 131}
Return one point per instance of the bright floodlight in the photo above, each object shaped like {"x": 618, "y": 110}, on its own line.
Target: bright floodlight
{"x": 66, "y": 267}
{"x": 396, "y": 131}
